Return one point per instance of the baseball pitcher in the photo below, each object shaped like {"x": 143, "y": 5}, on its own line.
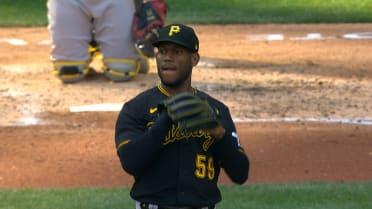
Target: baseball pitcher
{"x": 174, "y": 139}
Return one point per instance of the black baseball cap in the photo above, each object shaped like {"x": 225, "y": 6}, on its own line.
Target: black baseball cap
{"x": 178, "y": 34}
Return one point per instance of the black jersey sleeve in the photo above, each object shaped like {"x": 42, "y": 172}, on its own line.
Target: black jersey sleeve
{"x": 229, "y": 152}
{"x": 233, "y": 159}
{"x": 137, "y": 145}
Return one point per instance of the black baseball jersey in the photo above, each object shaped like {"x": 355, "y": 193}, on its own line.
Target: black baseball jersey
{"x": 170, "y": 166}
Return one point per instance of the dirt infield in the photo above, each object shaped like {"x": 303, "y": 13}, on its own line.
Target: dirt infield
{"x": 302, "y": 102}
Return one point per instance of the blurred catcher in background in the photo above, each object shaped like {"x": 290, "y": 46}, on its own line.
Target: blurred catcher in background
{"x": 118, "y": 32}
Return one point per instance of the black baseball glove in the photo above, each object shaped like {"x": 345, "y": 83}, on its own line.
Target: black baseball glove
{"x": 190, "y": 112}
{"x": 148, "y": 19}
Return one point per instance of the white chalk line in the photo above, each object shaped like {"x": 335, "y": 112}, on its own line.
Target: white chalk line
{"x": 21, "y": 42}
{"x": 254, "y": 37}
{"x": 14, "y": 41}
{"x": 97, "y": 107}
{"x": 360, "y": 121}
{"x": 366, "y": 35}
{"x": 309, "y": 36}
{"x": 113, "y": 107}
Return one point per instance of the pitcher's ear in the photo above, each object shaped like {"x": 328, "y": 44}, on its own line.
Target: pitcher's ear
{"x": 195, "y": 58}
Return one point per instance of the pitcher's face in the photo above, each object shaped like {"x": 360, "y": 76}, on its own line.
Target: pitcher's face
{"x": 174, "y": 64}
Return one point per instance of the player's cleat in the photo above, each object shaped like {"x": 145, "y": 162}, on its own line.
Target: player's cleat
{"x": 120, "y": 69}
{"x": 71, "y": 74}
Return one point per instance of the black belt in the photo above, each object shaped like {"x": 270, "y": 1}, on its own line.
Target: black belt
{"x": 154, "y": 206}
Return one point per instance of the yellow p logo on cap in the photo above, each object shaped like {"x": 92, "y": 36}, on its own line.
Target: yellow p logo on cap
{"x": 174, "y": 29}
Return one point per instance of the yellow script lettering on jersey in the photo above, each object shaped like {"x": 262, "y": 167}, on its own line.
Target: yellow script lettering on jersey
{"x": 176, "y": 134}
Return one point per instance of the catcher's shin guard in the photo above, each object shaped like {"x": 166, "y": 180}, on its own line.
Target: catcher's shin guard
{"x": 122, "y": 69}
{"x": 70, "y": 71}
{"x": 144, "y": 64}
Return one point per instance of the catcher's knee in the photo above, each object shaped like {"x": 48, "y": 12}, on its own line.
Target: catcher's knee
{"x": 70, "y": 71}
{"x": 121, "y": 69}
{"x": 144, "y": 63}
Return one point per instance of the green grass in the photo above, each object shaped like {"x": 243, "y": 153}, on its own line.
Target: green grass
{"x": 270, "y": 11}
{"x": 255, "y": 196}
{"x": 23, "y": 13}
{"x": 298, "y": 196}
{"x": 33, "y": 12}
{"x": 92, "y": 198}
